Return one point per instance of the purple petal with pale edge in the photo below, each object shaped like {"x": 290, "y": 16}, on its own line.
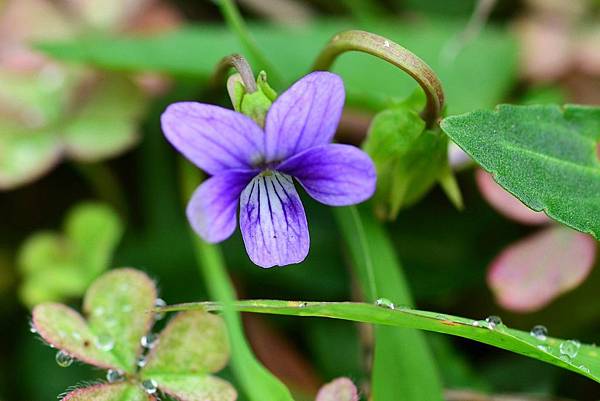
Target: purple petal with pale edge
{"x": 336, "y": 175}
{"x": 531, "y": 273}
{"x": 273, "y": 222}
{"x": 305, "y": 115}
{"x": 213, "y": 138}
{"x": 211, "y": 210}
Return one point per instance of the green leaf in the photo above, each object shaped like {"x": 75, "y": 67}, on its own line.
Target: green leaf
{"x": 544, "y": 155}
{"x": 195, "y": 388}
{"x": 473, "y": 79}
{"x": 106, "y": 123}
{"x": 67, "y": 330}
{"x": 58, "y": 266}
{"x": 408, "y": 158}
{"x": 109, "y": 392}
{"x": 193, "y": 342}
{"x": 26, "y": 154}
{"x": 586, "y": 362}
{"x": 118, "y": 305}
{"x": 402, "y": 357}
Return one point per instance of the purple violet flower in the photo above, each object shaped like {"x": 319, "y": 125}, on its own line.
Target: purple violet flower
{"x": 254, "y": 167}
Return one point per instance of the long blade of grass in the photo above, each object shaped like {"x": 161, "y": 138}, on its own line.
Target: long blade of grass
{"x": 584, "y": 359}
{"x": 257, "y": 382}
{"x": 403, "y": 363}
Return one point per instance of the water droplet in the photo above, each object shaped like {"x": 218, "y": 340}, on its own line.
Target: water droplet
{"x": 539, "y": 332}
{"x": 105, "y": 343}
{"x": 570, "y": 348}
{"x": 113, "y": 376}
{"x": 150, "y": 386}
{"x": 386, "y": 43}
{"x": 302, "y": 304}
{"x": 159, "y": 303}
{"x": 63, "y": 359}
{"x": 493, "y": 322}
{"x": 584, "y": 369}
{"x": 475, "y": 323}
{"x": 141, "y": 362}
{"x": 149, "y": 341}
{"x": 384, "y": 303}
{"x": 32, "y": 328}
{"x": 543, "y": 348}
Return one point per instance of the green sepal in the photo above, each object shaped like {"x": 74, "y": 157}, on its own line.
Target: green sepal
{"x": 256, "y": 104}
{"x": 409, "y": 158}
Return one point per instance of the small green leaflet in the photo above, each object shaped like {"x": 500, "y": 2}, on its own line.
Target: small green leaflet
{"x": 547, "y": 156}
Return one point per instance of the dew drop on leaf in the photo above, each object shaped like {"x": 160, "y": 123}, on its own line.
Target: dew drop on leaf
{"x": 149, "y": 341}
{"x": 493, "y": 322}
{"x": 570, "y": 348}
{"x": 539, "y": 332}
{"x": 150, "y": 386}
{"x": 63, "y": 359}
{"x": 105, "y": 343}
{"x": 113, "y": 376}
{"x": 141, "y": 362}
{"x": 159, "y": 303}
{"x": 384, "y": 303}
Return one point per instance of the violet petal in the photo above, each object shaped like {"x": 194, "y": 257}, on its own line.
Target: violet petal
{"x": 334, "y": 174}
{"x": 273, "y": 222}
{"x": 211, "y": 210}
{"x": 305, "y": 115}
{"x": 213, "y": 138}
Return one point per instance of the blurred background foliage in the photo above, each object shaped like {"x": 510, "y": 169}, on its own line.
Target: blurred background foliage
{"x": 82, "y": 85}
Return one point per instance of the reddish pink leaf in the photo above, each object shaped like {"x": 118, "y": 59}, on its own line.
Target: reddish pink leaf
{"x": 531, "y": 273}
{"x": 341, "y": 389}
{"x": 505, "y": 203}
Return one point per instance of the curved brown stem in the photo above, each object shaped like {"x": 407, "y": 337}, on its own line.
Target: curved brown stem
{"x": 393, "y": 53}
{"x": 241, "y": 65}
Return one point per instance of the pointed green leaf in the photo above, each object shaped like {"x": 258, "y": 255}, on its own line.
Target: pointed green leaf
{"x": 106, "y": 124}
{"x": 192, "y": 342}
{"x": 586, "y": 360}
{"x": 109, "y": 392}
{"x": 547, "y": 156}
{"x": 66, "y": 330}
{"x": 118, "y": 307}
{"x": 60, "y": 266}
{"x": 195, "y": 388}
{"x": 340, "y": 389}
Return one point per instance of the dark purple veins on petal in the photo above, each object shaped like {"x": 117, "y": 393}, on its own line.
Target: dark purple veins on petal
{"x": 273, "y": 222}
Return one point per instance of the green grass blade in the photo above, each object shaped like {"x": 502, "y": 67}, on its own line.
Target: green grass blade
{"x": 586, "y": 362}
{"x": 403, "y": 363}
{"x": 256, "y": 381}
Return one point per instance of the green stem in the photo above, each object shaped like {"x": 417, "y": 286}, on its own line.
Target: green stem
{"x": 585, "y": 362}
{"x": 393, "y": 53}
{"x": 241, "y": 65}
{"x": 257, "y": 382}
{"x": 236, "y": 23}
